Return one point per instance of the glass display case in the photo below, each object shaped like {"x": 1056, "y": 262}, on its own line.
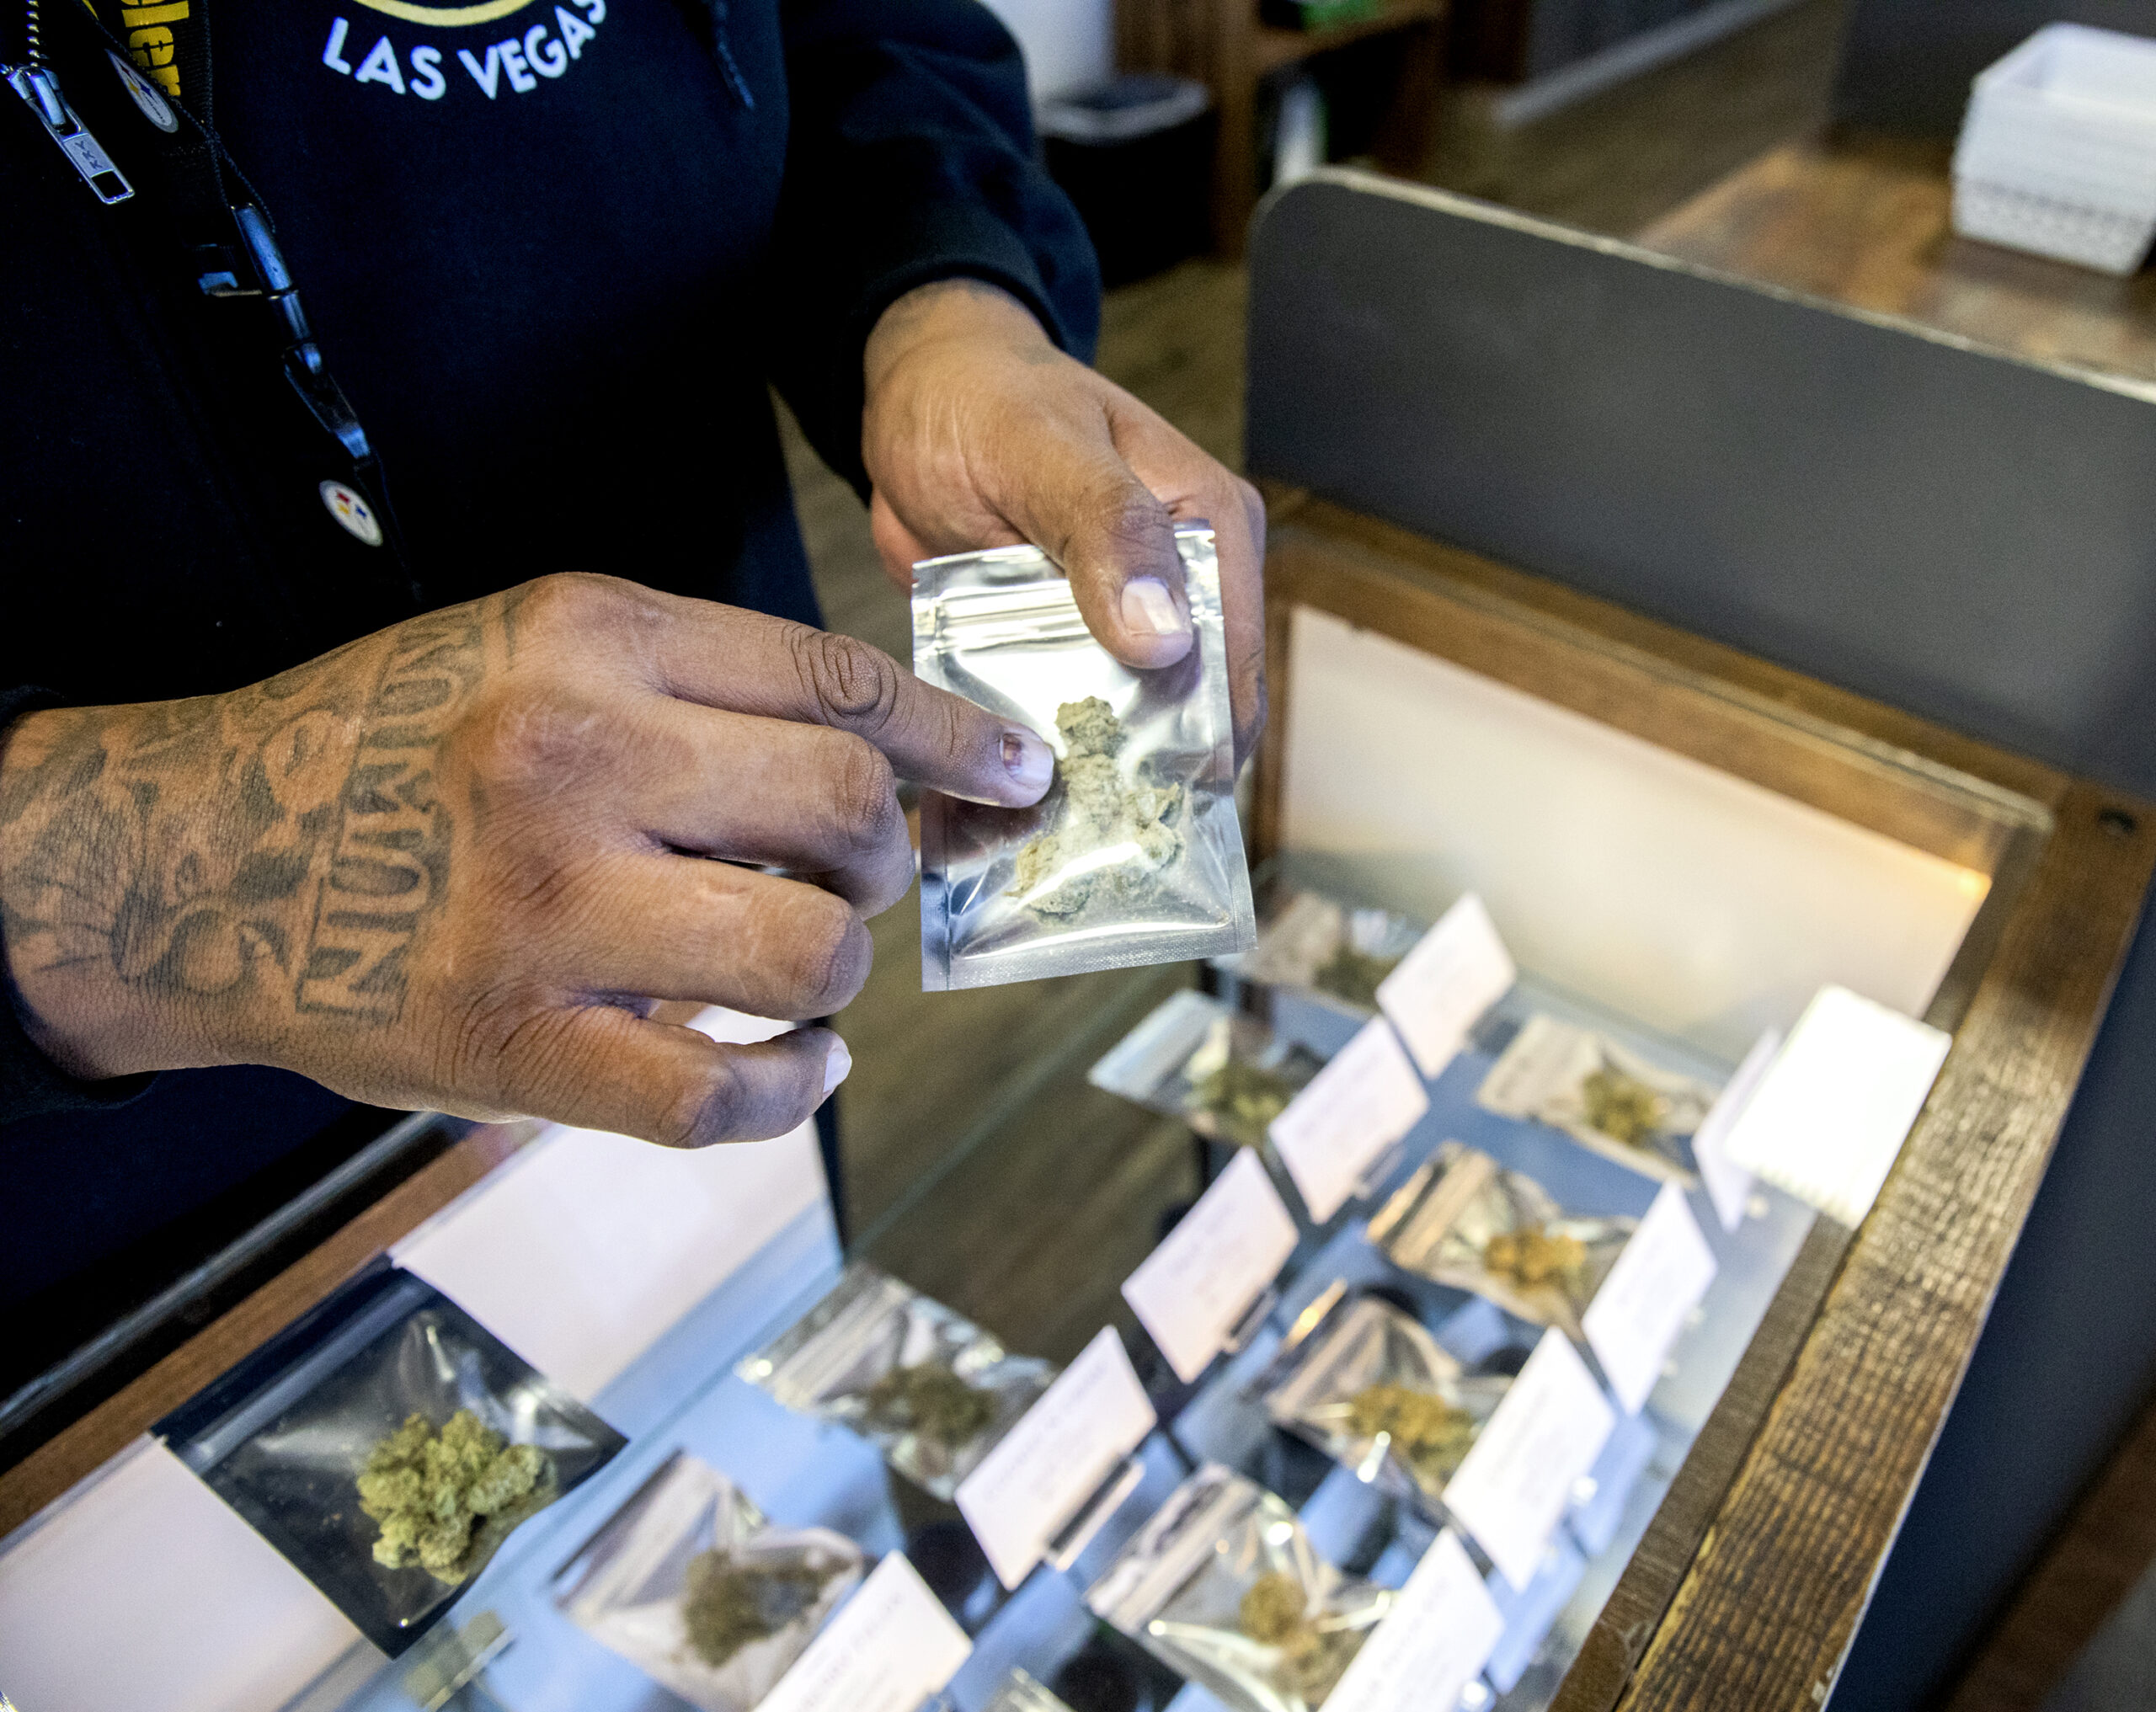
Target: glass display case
{"x": 1545, "y": 1276}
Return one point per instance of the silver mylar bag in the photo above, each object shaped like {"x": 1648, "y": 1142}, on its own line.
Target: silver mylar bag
{"x": 630, "y": 1586}
{"x": 847, "y": 1359}
{"x": 1184, "y": 1589}
{"x": 1169, "y": 882}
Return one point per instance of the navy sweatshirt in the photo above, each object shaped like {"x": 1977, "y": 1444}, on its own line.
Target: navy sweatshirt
{"x": 555, "y": 253}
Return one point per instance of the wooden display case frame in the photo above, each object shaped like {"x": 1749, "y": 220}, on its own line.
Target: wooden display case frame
{"x": 1748, "y": 1587}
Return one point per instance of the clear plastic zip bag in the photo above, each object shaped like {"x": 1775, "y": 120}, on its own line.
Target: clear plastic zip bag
{"x": 1223, "y": 1585}
{"x": 1376, "y": 1393}
{"x": 1135, "y": 855}
{"x": 1225, "y": 1075}
{"x": 1463, "y": 1220}
{"x": 687, "y": 1582}
{"x": 1611, "y": 1101}
{"x": 386, "y": 1444}
{"x": 929, "y": 1387}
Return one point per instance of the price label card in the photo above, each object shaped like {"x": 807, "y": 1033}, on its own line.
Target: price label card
{"x": 1659, "y": 1279}
{"x": 1193, "y": 1288}
{"x": 888, "y": 1649}
{"x": 1458, "y": 970}
{"x": 1728, "y": 1183}
{"x": 1045, "y": 1467}
{"x": 1352, "y": 1111}
{"x": 1440, "y": 1631}
{"x": 1517, "y": 1479}
{"x": 1833, "y": 1109}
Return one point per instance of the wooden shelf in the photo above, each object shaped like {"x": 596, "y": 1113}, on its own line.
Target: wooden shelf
{"x": 1222, "y": 44}
{"x": 1273, "y": 47}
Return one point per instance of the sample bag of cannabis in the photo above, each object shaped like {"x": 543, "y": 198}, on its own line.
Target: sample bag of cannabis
{"x": 1134, "y": 855}
{"x": 687, "y": 1582}
{"x": 1607, "y": 1099}
{"x": 1463, "y": 1220}
{"x": 931, "y": 1388}
{"x": 386, "y": 1444}
{"x": 1224, "y": 1585}
{"x": 1225, "y": 1075}
{"x": 1333, "y": 951}
{"x": 1376, "y": 1393}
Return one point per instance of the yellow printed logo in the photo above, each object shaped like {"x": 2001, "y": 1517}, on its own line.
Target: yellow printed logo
{"x": 448, "y": 17}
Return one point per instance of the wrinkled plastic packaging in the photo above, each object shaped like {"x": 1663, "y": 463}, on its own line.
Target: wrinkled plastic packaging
{"x": 1020, "y": 1693}
{"x": 1142, "y": 865}
{"x": 1333, "y": 951}
{"x": 629, "y": 1586}
{"x": 1225, "y": 1075}
{"x": 1218, "y": 1567}
{"x": 1606, "y": 1098}
{"x": 1366, "y": 1353}
{"x": 928, "y": 1386}
{"x": 284, "y": 1437}
{"x": 1442, "y": 1223}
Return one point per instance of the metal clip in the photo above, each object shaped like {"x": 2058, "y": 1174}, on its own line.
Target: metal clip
{"x": 38, "y": 87}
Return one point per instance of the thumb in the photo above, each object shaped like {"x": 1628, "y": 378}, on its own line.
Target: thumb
{"x": 602, "y": 1068}
{"x": 1116, "y": 541}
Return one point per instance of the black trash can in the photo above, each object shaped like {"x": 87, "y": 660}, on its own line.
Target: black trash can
{"x": 1136, "y": 156}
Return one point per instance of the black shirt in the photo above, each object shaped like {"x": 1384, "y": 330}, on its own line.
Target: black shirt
{"x": 554, "y": 253}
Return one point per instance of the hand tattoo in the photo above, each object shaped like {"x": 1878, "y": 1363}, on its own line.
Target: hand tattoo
{"x": 278, "y": 846}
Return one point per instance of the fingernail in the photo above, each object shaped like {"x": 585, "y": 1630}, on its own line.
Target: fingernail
{"x": 1028, "y": 761}
{"x": 1148, "y": 609}
{"x": 837, "y": 1067}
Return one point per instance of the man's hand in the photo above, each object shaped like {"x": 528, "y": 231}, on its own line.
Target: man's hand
{"x": 456, "y": 864}
{"x": 980, "y": 433}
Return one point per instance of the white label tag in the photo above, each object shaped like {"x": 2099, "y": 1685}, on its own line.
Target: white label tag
{"x": 1518, "y": 1479}
{"x": 1834, "y": 1108}
{"x": 1659, "y": 1279}
{"x": 1055, "y": 1458}
{"x": 1199, "y": 1282}
{"x": 1458, "y": 970}
{"x": 888, "y": 1649}
{"x": 1440, "y": 1631}
{"x": 1353, "y": 1109}
{"x": 1729, "y": 1184}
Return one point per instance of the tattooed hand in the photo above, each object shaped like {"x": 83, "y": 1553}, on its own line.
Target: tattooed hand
{"x": 456, "y": 863}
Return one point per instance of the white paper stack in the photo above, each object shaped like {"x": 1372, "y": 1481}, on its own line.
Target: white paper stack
{"x": 2058, "y": 152}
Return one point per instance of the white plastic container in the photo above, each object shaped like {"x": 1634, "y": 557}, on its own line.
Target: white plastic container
{"x": 2057, "y": 153}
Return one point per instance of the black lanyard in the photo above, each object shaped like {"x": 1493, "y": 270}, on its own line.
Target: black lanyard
{"x": 231, "y": 246}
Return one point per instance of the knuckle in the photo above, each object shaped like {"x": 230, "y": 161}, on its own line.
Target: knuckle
{"x": 1132, "y": 521}
{"x": 569, "y": 601}
{"x": 524, "y": 738}
{"x": 864, "y": 800}
{"x": 827, "y": 954}
{"x": 849, "y": 682}
{"x": 708, "y": 1107}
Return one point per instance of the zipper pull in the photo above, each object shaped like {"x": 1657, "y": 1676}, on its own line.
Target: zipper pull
{"x": 38, "y": 87}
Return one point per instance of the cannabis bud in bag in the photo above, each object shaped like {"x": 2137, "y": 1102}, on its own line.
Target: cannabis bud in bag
{"x": 687, "y": 1581}
{"x": 1224, "y": 1585}
{"x": 1135, "y": 855}
{"x": 1462, "y": 1220}
{"x": 1375, "y": 1391}
{"x": 1224, "y": 1074}
{"x": 1606, "y": 1098}
{"x": 930, "y": 1387}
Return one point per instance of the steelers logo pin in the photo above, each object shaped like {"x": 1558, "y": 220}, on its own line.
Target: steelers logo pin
{"x": 354, "y": 515}
{"x": 153, "y": 105}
